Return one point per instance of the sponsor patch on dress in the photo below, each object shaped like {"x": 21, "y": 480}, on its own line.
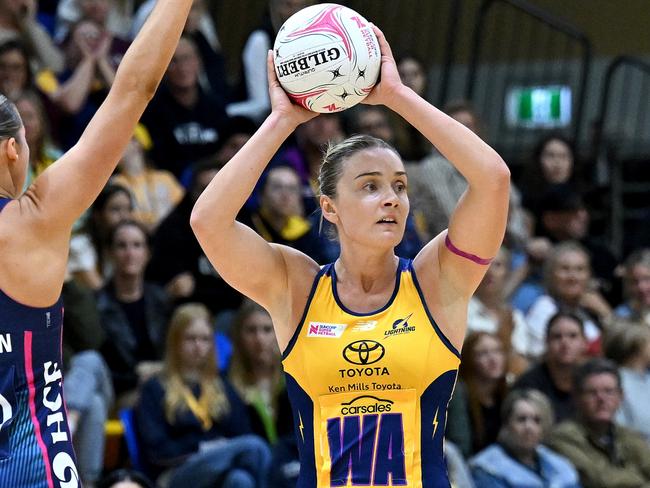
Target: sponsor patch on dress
{"x": 322, "y": 329}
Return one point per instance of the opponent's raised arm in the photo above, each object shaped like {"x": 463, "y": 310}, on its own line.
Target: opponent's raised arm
{"x": 70, "y": 185}
{"x": 477, "y": 225}
{"x": 243, "y": 258}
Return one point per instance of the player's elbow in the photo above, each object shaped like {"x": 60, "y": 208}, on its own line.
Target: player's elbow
{"x": 198, "y": 219}
{"x": 500, "y": 176}
{"x": 135, "y": 85}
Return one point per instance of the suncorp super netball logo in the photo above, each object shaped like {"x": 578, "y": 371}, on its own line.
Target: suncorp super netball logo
{"x": 323, "y": 329}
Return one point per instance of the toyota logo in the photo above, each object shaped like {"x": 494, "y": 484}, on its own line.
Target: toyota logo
{"x": 363, "y": 352}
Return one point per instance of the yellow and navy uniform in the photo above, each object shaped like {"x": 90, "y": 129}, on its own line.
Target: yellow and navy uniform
{"x": 370, "y": 391}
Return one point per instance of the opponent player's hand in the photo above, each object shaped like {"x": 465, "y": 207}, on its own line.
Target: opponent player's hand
{"x": 389, "y": 84}
{"x": 280, "y": 102}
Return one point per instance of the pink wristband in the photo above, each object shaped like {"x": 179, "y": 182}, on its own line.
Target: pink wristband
{"x": 466, "y": 255}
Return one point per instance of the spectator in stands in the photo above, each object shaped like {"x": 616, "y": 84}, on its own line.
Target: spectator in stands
{"x": 115, "y": 15}
{"x": 410, "y": 143}
{"x": 519, "y": 459}
{"x": 133, "y": 312}
{"x": 553, "y": 163}
{"x": 474, "y": 420}
{"x": 89, "y": 389}
{"x": 281, "y": 216}
{"x": 566, "y": 347}
{"x": 191, "y": 421}
{"x": 88, "y": 261}
{"x": 18, "y": 21}
{"x": 199, "y": 18}
{"x": 155, "y": 192}
{"x": 37, "y": 133}
{"x": 629, "y": 347}
{"x": 636, "y": 281}
{"x": 15, "y": 71}
{"x": 567, "y": 278}
{"x": 182, "y": 129}
{"x": 236, "y": 133}
{"x": 89, "y": 399}
{"x": 564, "y": 217}
{"x": 371, "y": 120}
{"x": 125, "y": 478}
{"x": 437, "y": 186}
{"x": 306, "y": 153}
{"x": 177, "y": 260}
{"x": 605, "y": 454}
{"x": 90, "y": 70}
{"x": 254, "y": 97}
{"x": 489, "y": 311}
{"x": 256, "y": 372}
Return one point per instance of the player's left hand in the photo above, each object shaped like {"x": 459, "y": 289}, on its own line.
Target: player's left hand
{"x": 389, "y": 84}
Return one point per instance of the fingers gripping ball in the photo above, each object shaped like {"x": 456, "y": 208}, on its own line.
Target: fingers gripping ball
{"x": 327, "y": 57}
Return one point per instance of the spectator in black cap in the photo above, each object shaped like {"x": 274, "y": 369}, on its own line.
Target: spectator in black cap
{"x": 564, "y": 216}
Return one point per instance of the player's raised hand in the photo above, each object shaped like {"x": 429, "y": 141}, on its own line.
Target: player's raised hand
{"x": 385, "y": 91}
{"x": 280, "y": 102}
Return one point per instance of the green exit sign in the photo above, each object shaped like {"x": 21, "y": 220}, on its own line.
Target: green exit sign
{"x": 538, "y": 107}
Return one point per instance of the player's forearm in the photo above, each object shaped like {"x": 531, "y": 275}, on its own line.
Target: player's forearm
{"x": 147, "y": 58}
{"x": 476, "y": 160}
{"x": 228, "y": 191}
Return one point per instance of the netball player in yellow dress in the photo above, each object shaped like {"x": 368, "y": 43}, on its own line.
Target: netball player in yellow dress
{"x": 370, "y": 342}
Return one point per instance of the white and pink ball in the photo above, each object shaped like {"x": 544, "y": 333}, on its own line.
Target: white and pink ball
{"x": 327, "y": 57}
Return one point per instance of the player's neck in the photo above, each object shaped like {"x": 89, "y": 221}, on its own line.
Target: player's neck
{"x": 366, "y": 270}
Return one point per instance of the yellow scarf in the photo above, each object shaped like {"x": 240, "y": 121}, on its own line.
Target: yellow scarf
{"x": 199, "y": 407}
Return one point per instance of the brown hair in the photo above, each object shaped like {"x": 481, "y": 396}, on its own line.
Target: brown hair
{"x": 10, "y": 121}
{"x": 241, "y": 364}
{"x": 332, "y": 166}
{"x": 469, "y": 375}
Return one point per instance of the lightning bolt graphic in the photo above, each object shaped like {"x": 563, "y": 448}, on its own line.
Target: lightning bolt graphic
{"x": 302, "y": 427}
{"x": 435, "y": 423}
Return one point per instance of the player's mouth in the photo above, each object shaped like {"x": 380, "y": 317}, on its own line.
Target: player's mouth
{"x": 387, "y": 221}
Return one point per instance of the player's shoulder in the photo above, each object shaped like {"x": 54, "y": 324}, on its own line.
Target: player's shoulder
{"x": 299, "y": 266}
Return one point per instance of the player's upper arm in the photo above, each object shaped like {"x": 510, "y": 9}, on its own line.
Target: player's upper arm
{"x": 69, "y": 186}
{"x": 256, "y": 268}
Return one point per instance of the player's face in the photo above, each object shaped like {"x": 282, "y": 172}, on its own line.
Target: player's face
{"x": 258, "y": 338}
{"x": 599, "y": 398}
{"x": 196, "y": 344}
{"x": 130, "y": 251}
{"x": 371, "y": 205}
{"x": 566, "y": 344}
{"x": 525, "y": 426}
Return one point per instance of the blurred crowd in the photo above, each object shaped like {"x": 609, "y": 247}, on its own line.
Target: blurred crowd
{"x": 554, "y": 382}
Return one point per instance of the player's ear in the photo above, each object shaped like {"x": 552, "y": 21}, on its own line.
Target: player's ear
{"x": 328, "y": 209}
{"x": 9, "y": 148}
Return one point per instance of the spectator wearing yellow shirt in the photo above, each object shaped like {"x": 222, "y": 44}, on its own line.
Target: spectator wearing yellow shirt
{"x": 155, "y": 192}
